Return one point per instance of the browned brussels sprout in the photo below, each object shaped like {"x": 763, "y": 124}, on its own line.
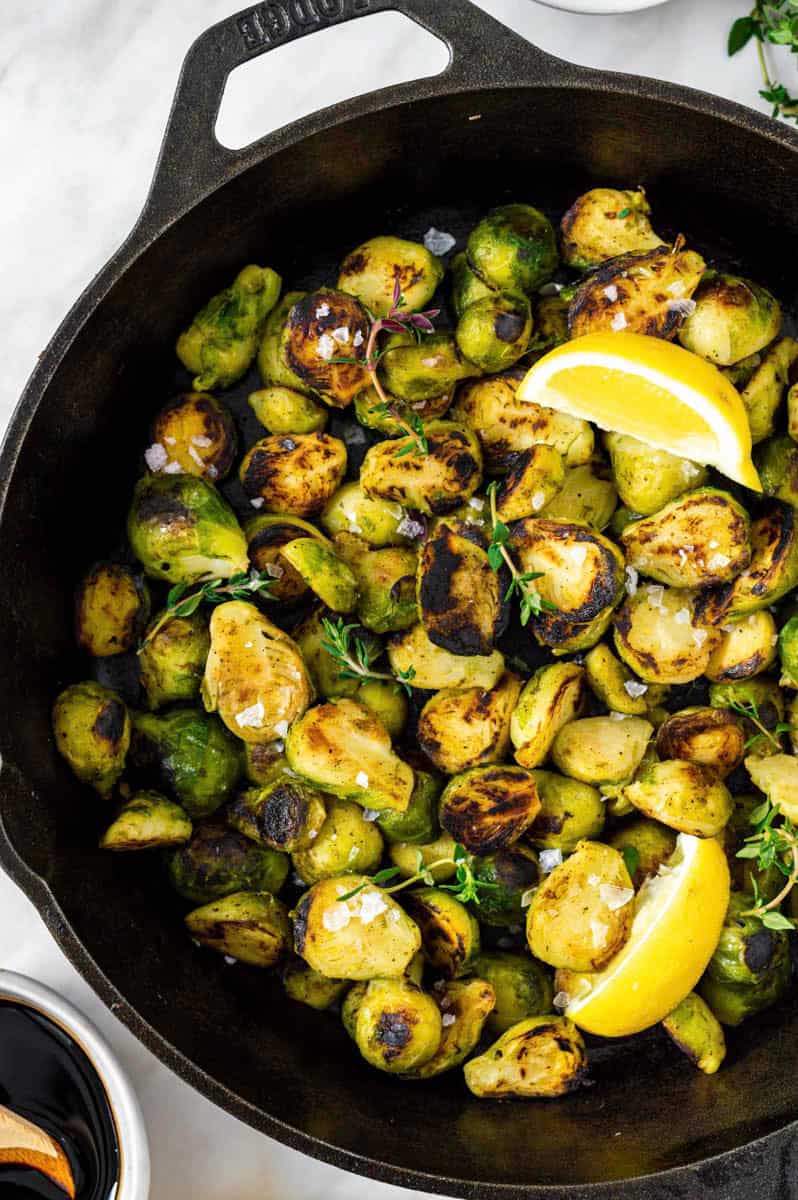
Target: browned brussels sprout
{"x": 750, "y": 969}
{"x": 733, "y": 319}
{"x": 147, "y": 821}
{"x": 251, "y": 927}
{"x": 539, "y": 1057}
{"x": 661, "y": 637}
{"x": 322, "y": 329}
{"x": 418, "y": 824}
{"x": 273, "y": 367}
{"x": 682, "y": 795}
{"x": 295, "y": 475}
{"x": 92, "y": 731}
{"x": 386, "y": 583}
{"x": 637, "y": 293}
{"x": 494, "y": 332}
{"x": 436, "y": 668}
{"x": 554, "y": 695}
{"x": 196, "y": 432}
{"x": 587, "y": 493}
{"x": 489, "y": 808}
{"x": 346, "y": 842}
{"x": 458, "y": 594}
{"x": 467, "y": 287}
{"x": 222, "y": 340}
{"x": 111, "y": 609}
{"x": 712, "y": 737}
{"x": 433, "y": 483}
{"x": 615, "y": 685}
{"x": 513, "y": 248}
{"x": 605, "y": 223}
{"x": 533, "y": 481}
{"x": 764, "y": 391}
{"x": 449, "y": 932}
{"x": 375, "y": 269}
{"x": 219, "y": 861}
{"x": 324, "y": 572}
{"x": 397, "y": 1027}
{"x": 460, "y": 728}
{"x": 192, "y": 753}
{"x": 285, "y": 814}
{"x": 464, "y": 1005}
{"x": 266, "y": 536}
{"x": 569, "y": 812}
{"x": 172, "y": 658}
{"x": 773, "y": 570}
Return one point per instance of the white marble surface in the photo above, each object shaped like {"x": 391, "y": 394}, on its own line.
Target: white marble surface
{"x": 85, "y": 88}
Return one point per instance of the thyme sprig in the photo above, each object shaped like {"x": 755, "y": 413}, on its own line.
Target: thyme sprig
{"x": 466, "y": 888}
{"x": 750, "y": 710}
{"x": 770, "y": 23}
{"x": 355, "y": 658}
{"x": 183, "y": 602}
{"x": 532, "y": 603}
{"x": 772, "y": 846}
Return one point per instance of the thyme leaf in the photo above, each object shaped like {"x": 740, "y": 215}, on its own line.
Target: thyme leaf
{"x": 771, "y": 845}
{"x": 531, "y": 601}
{"x": 775, "y": 23}
{"x": 466, "y": 888}
{"x": 182, "y": 601}
{"x": 355, "y": 658}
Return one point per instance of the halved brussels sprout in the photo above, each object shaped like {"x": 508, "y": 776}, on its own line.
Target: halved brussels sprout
{"x": 467, "y": 287}
{"x": 465, "y": 1005}
{"x": 533, "y": 481}
{"x": 196, "y": 432}
{"x": 506, "y": 425}
{"x": 449, "y": 932}
{"x": 587, "y": 495}
{"x": 433, "y": 483}
{"x": 181, "y": 530}
{"x": 147, "y": 821}
{"x": 416, "y": 372}
{"x": 419, "y": 823}
{"x": 321, "y": 343}
{"x": 92, "y": 731}
{"x": 386, "y": 583}
{"x": 581, "y": 915}
{"x": 713, "y": 738}
{"x": 773, "y": 570}
{"x": 330, "y": 678}
{"x": 111, "y": 608}
{"x": 763, "y": 393}
{"x": 367, "y": 936}
{"x": 266, "y": 535}
{"x": 776, "y": 461}
{"x": 222, "y": 340}
{"x": 763, "y": 700}
{"x": 494, "y": 332}
{"x": 458, "y": 594}
{"x": 370, "y": 411}
{"x": 273, "y": 368}
{"x": 172, "y": 660}
{"x": 374, "y": 269}
{"x": 397, "y": 1027}
{"x": 646, "y": 478}
{"x": 659, "y": 634}
{"x": 599, "y": 750}
{"x": 570, "y": 811}
{"x": 376, "y": 521}
{"x": 460, "y": 728}
{"x": 283, "y": 410}
{"x": 550, "y": 316}
{"x": 255, "y": 677}
{"x": 252, "y": 927}
{"x": 387, "y": 701}
{"x": 645, "y": 846}
{"x": 411, "y": 858}
{"x": 218, "y": 862}
{"x": 510, "y": 874}
{"x": 554, "y": 695}
{"x": 746, "y": 648}
{"x": 733, "y": 318}
{"x": 323, "y": 571}
{"x": 435, "y": 668}
{"x": 307, "y": 986}
{"x": 615, "y": 685}
{"x": 776, "y": 776}
{"x": 539, "y": 1057}
{"x": 296, "y": 474}
{"x": 192, "y": 753}
{"x": 488, "y": 808}
{"x": 514, "y": 248}
{"x": 521, "y": 985}
{"x": 285, "y": 813}
{"x": 605, "y": 223}
{"x": 346, "y": 842}
{"x": 682, "y": 795}
{"x": 788, "y": 652}
{"x": 637, "y": 293}
{"x": 750, "y": 969}
{"x": 344, "y": 749}
{"x": 702, "y": 538}
{"x": 697, "y": 1032}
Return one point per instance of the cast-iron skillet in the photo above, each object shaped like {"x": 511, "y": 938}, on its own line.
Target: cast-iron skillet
{"x": 504, "y": 120}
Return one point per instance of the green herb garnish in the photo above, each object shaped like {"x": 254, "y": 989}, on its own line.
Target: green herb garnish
{"x": 466, "y": 888}
{"x": 354, "y": 657}
{"x": 776, "y": 24}
{"x": 215, "y": 591}
{"x": 532, "y": 603}
{"x": 750, "y": 710}
{"x": 772, "y": 846}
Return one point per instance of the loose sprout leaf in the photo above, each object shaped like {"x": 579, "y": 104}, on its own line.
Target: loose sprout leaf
{"x": 631, "y": 858}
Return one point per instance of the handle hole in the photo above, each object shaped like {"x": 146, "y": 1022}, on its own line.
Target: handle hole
{"x": 336, "y": 64}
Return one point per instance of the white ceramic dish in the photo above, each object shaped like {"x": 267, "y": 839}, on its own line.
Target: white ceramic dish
{"x": 602, "y": 7}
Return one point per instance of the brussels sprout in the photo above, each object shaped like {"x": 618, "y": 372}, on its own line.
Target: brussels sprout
{"x": 777, "y": 776}
{"x": 570, "y": 811}
{"x": 776, "y": 460}
{"x": 488, "y": 808}
{"x": 283, "y": 411}
{"x": 181, "y": 530}
{"x": 510, "y": 875}
{"x": 251, "y": 927}
{"x": 218, "y": 862}
{"x": 296, "y": 474}
{"x": 514, "y": 248}
{"x": 388, "y": 703}
{"x": 367, "y": 936}
{"x": 375, "y": 269}
{"x": 521, "y": 986}
{"x": 741, "y": 373}
{"x": 465, "y": 1005}
{"x": 746, "y": 648}
{"x": 376, "y": 521}
{"x": 695, "y": 541}
{"x": 307, "y": 986}
{"x": 539, "y": 1057}
{"x": 449, "y": 932}
{"x": 320, "y": 341}
{"x": 763, "y": 393}
{"x": 637, "y": 293}
{"x": 346, "y": 842}
{"x": 733, "y": 318}
{"x": 533, "y": 481}
{"x": 255, "y": 677}
{"x": 147, "y": 821}
{"x": 587, "y": 495}
{"x": 285, "y": 814}
{"x": 419, "y": 823}
{"x": 351, "y": 1005}
{"x": 788, "y": 653}
{"x": 195, "y": 432}
{"x": 192, "y": 753}
{"x": 264, "y": 762}
{"x": 274, "y": 370}
{"x": 458, "y": 592}
{"x": 661, "y": 637}
{"x": 344, "y": 749}
{"x": 713, "y": 738}
{"x": 772, "y": 573}
{"x": 622, "y": 517}
{"x": 581, "y": 915}
{"x": 370, "y": 411}
{"x": 554, "y": 695}
{"x": 494, "y": 332}
{"x": 608, "y": 679}
{"x": 330, "y": 678}
{"x": 222, "y": 340}
{"x": 600, "y": 750}
{"x": 682, "y": 795}
{"x": 397, "y": 1027}
{"x": 436, "y": 668}
{"x": 416, "y": 371}
{"x": 646, "y": 478}
{"x": 172, "y": 659}
{"x": 550, "y": 317}
{"x": 645, "y": 846}
{"x": 324, "y": 572}
{"x": 697, "y": 1032}
{"x": 460, "y": 728}
{"x": 266, "y": 535}
{"x": 92, "y": 731}
{"x": 434, "y": 483}
{"x": 763, "y": 699}
{"x": 386, "y": 583}
{"x": 111, "y": 608}
{"x": 604, "y": 223}
{"x": 750, "y": 969}
{"x": 467, "y": 287}
{"x": 506, "y": 425}
{"x": 410, "y": 857}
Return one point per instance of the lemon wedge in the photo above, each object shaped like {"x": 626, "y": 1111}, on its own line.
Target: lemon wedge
{"x": 652, "y": 390}
{"x": 678, "y": 918}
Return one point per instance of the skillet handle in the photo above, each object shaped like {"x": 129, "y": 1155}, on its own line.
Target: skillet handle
{"x": 192, "y": 162}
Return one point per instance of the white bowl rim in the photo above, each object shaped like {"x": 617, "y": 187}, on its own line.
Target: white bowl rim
{"x": 602, "y": 8}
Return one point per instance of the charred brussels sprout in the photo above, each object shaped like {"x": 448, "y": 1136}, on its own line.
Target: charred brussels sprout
{"x": 773, "y": 570}
{"x": 434, "y": 483}
{"x": 460, "y": 728}
{"x": 92, "y": 731}
{"x": 147, "y": 821}
{"x": 218, "y": 862}
{"x": 763, "y": 393}
{"x": 346, "y": 842}
{"x": 510, "y": 874}
{"x": 488, "y": 808}
{"x": 750, "y": 969}
{"x": 415, "y": 371}
{"x": 386, "y": 583}
{"x": 322, "y": 329}
{"x": 266, "y": 536}
{"x": 172, "y": 660}
{"x": 637, "y": 293}
{"x": 570, "y": 811}
{"x": 776, "y": 461}
{"x": 539, "y": 1057}
{"x": 587, "y": 494}
{"x": 733, "y": 318}
{"x": 494, "y": 332}
{"x": 521, "y": 985}
{"x": 449, "y": 932}
{"x": 646, "y": 478}
{"x": 467, "y": 287}
{"x": 255, "y": 677}
{"x": 282, "y": 411}
{"x": 192, "y": 752}
{"x": 581, "y": 915}
{"x": 252, "y": 927}
{"x": 713, "y": 738}
{"x": 465, "y": 1005}
{"x": 682, "y": 795}
{"x": 435, "y": 668}
{"x": 307, "y": 986}
{"x": 458, "y": 594}
{"x": 181, "y": 530}
{"x": 659, "y": 635}
{"x": 600, "y": 750}
{"x": 533, "y": 481}
{"x": 419, "y": 823}
{"x": 285, "y": 814}
{"x": 294, "y": 474}
{"x": 324, "y": 572}
{"x": 554, "y": 695}
{"x": 513, "y": 248}
{"x": 397, "y": 1027}
{"x": 376, "y": 521}
{"x": 614, "y": 684}
{"x": 696, "y": 1031}
{"x": 198, "y": 433}
{"x": 788, "y": 653}
{"x": 645, "y": 845}
{"x": 273, "y": 368}
{"x": 409, "y": 857}
{"x": 365, "y": 937}
{"x": 605, "y": 223}
{"x": 222, "y": 340}
{"x": 374, "y": 270}
{"x": 698, "y": 540}
{"x": 111, "y": 609}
